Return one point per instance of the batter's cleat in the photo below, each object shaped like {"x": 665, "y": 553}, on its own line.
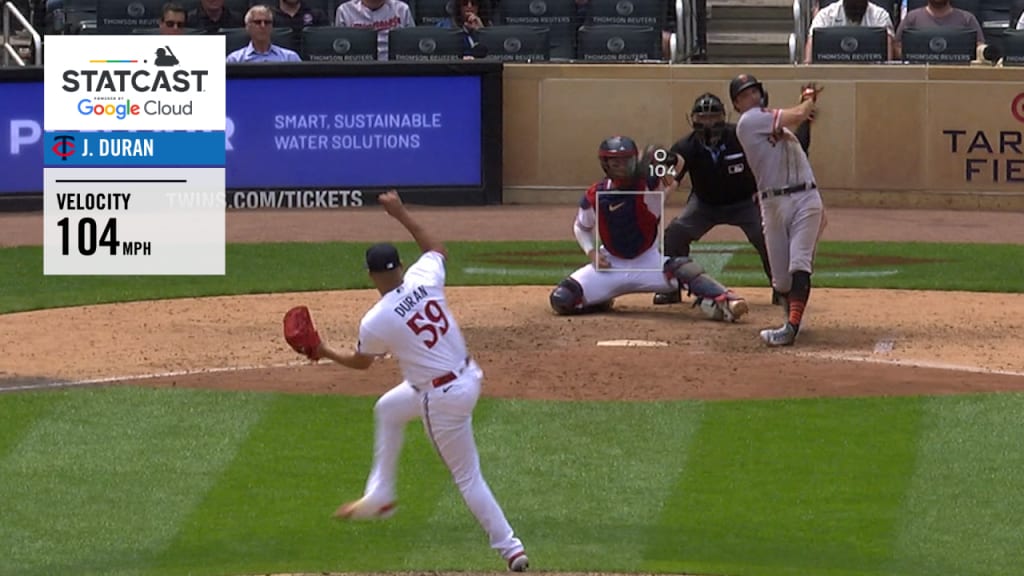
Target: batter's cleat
{"x": 362, "y": 510}
{"x": 784, "y": 336}
{"x": 663, "y": 298}
{"x": 518, "y": 562}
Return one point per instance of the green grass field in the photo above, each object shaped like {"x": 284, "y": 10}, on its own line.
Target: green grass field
{"x": 126, "y": 481}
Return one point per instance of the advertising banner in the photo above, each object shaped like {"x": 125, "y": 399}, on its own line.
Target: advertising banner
{"x": 319, "y": 137}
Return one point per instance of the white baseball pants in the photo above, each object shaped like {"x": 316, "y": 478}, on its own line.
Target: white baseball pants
{"x": 447, "y": 415}
{"x": 639, "y": 275}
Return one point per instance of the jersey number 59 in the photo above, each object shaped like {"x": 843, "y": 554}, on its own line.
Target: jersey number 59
{"x": 435, "y": 324}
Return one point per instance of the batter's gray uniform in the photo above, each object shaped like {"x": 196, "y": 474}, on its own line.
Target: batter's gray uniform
{"x": 791, "y": 208}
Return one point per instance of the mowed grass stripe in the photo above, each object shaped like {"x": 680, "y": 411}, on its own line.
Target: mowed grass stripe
{"x": 18, "y": 413}
{"x": 579, "y": 482}
{"x": 790, "y": 487}
{"x": 963, "y": 513}
{"x": 100, "y": 484}
{"x": 271, "y": 510}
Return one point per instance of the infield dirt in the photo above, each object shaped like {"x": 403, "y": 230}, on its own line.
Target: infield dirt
{"x": 854, "y": 342}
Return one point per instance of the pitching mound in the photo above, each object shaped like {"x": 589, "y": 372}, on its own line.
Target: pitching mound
{"x": 854, "y": 342}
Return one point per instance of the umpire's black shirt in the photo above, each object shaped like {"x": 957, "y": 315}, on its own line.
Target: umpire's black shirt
{"x": 719, "y": 175}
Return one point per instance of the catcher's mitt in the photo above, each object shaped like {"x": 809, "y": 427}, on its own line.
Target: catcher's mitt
{"x": 300, "y": 333}
{"x": 810, "y": 91}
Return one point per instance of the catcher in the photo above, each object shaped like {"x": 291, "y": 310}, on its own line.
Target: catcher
{"x": 441, "y": 383}
{"x": 627, "y": 259}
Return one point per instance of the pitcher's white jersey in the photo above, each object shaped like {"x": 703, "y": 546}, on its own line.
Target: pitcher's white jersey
{"x": 414, "y": 324}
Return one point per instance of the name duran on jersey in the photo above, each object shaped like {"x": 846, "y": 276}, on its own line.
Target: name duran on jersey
{"x": 408, "y": 304}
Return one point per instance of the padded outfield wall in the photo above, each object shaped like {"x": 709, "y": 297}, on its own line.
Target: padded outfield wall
{"x": 886, "y": 135}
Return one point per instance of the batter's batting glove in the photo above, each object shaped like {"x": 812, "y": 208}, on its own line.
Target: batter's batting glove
{"x": 810, "y": 91}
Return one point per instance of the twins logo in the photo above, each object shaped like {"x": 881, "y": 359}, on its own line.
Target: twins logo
{"x": 1017, "y": 107}
{"x": 64, "y": 146}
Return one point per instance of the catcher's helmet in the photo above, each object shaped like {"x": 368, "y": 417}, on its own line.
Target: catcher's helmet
{"x": 708, "y": 103}
{"x": 620, "y": 147}
{"x": 741, "y": 83}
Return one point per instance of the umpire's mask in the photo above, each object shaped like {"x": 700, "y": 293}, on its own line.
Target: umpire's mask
{"x": 708, "y": 119}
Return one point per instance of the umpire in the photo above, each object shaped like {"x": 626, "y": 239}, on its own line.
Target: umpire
{"x": 723, "y": 187}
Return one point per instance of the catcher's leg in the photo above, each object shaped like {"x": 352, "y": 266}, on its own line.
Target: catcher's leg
{"x": 392, "y": 412}
{"x": 448, "y": 422}
{"x": 583, "y": 292}
{"x": 714, "y": 299}
{"x": 690, "y": 226}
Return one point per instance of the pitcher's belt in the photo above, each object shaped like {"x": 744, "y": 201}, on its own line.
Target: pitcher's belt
{"x": 446, "y": 378}
{"x": 787, "y": 190}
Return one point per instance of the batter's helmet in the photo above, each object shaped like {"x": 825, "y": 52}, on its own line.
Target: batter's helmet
{"x": 741, "y": 83}
{"x": 620, "y": 147}
{"x": 708, "y": 103}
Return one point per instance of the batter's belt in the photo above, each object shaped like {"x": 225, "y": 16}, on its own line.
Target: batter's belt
{"x": 787, "y": 190}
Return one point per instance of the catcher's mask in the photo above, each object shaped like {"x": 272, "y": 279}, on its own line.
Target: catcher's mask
{"x": 708, "y": 118}
{"x": 623, "y": 172}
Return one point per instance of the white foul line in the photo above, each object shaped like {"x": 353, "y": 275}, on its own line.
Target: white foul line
{"x": 909, "y": 363}
{"x": 109, "y": 379}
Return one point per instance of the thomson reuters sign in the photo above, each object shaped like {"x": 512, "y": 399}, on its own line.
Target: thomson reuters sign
{"x": 135, "y": 82}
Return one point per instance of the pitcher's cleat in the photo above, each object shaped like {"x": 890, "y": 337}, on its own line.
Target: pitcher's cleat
{"x": 363, "y": 510}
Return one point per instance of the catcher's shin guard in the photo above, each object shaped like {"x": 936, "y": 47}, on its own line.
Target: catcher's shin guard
{"x": 567, "y": 298}
{"x": 714, "y": 299}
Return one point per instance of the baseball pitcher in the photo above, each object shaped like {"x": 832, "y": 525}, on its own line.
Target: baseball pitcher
{"x": 441, "y": 381}
{"x": 791, "y": 206}
{"x": 624, "y": 256}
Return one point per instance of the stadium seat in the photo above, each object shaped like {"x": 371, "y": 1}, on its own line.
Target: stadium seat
{"x": 331, "y": 44}
{"x": 939, "y": 45}
{"x": 1013, "y": 48}
{"x": 619, "y": 43}
{"x": 124, "y": 16}
{"x": 559, "y": 16}
{"x": 630, "y": 12}
{"x": 426, "y": 43}
{"x": 510, "y": 43}
{"x": 157, "y": 31}
{"x": 430, "y": 12}
{"x": 849, "y": 44}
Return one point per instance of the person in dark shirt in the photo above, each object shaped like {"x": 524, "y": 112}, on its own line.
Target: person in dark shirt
{"x": 296, "y": 14}
{"x": 212, "y": 15}
{"x": 723, "y": 187}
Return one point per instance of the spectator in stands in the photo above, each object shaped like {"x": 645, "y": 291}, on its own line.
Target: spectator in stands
{"x": 851, "y": 13}
{"x": 296, "y": 14}
{"x": 470, "y": 16}
{"x": 380, "y": 15}
{"x": 172, "y": 18}
{"x": 212, "y": 15}
{"x": 938, "y": 13}
{"x": 259, "y": 22}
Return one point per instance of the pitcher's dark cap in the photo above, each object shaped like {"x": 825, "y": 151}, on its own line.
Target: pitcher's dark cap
{"x": 382, "y": 257}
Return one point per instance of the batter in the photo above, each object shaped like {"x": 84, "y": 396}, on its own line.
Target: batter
{"x": 625, "y": 210}
{"x": 792, "y": 212}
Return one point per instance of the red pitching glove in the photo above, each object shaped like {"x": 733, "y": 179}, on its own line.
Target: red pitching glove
{"x": 301, "y": 334}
